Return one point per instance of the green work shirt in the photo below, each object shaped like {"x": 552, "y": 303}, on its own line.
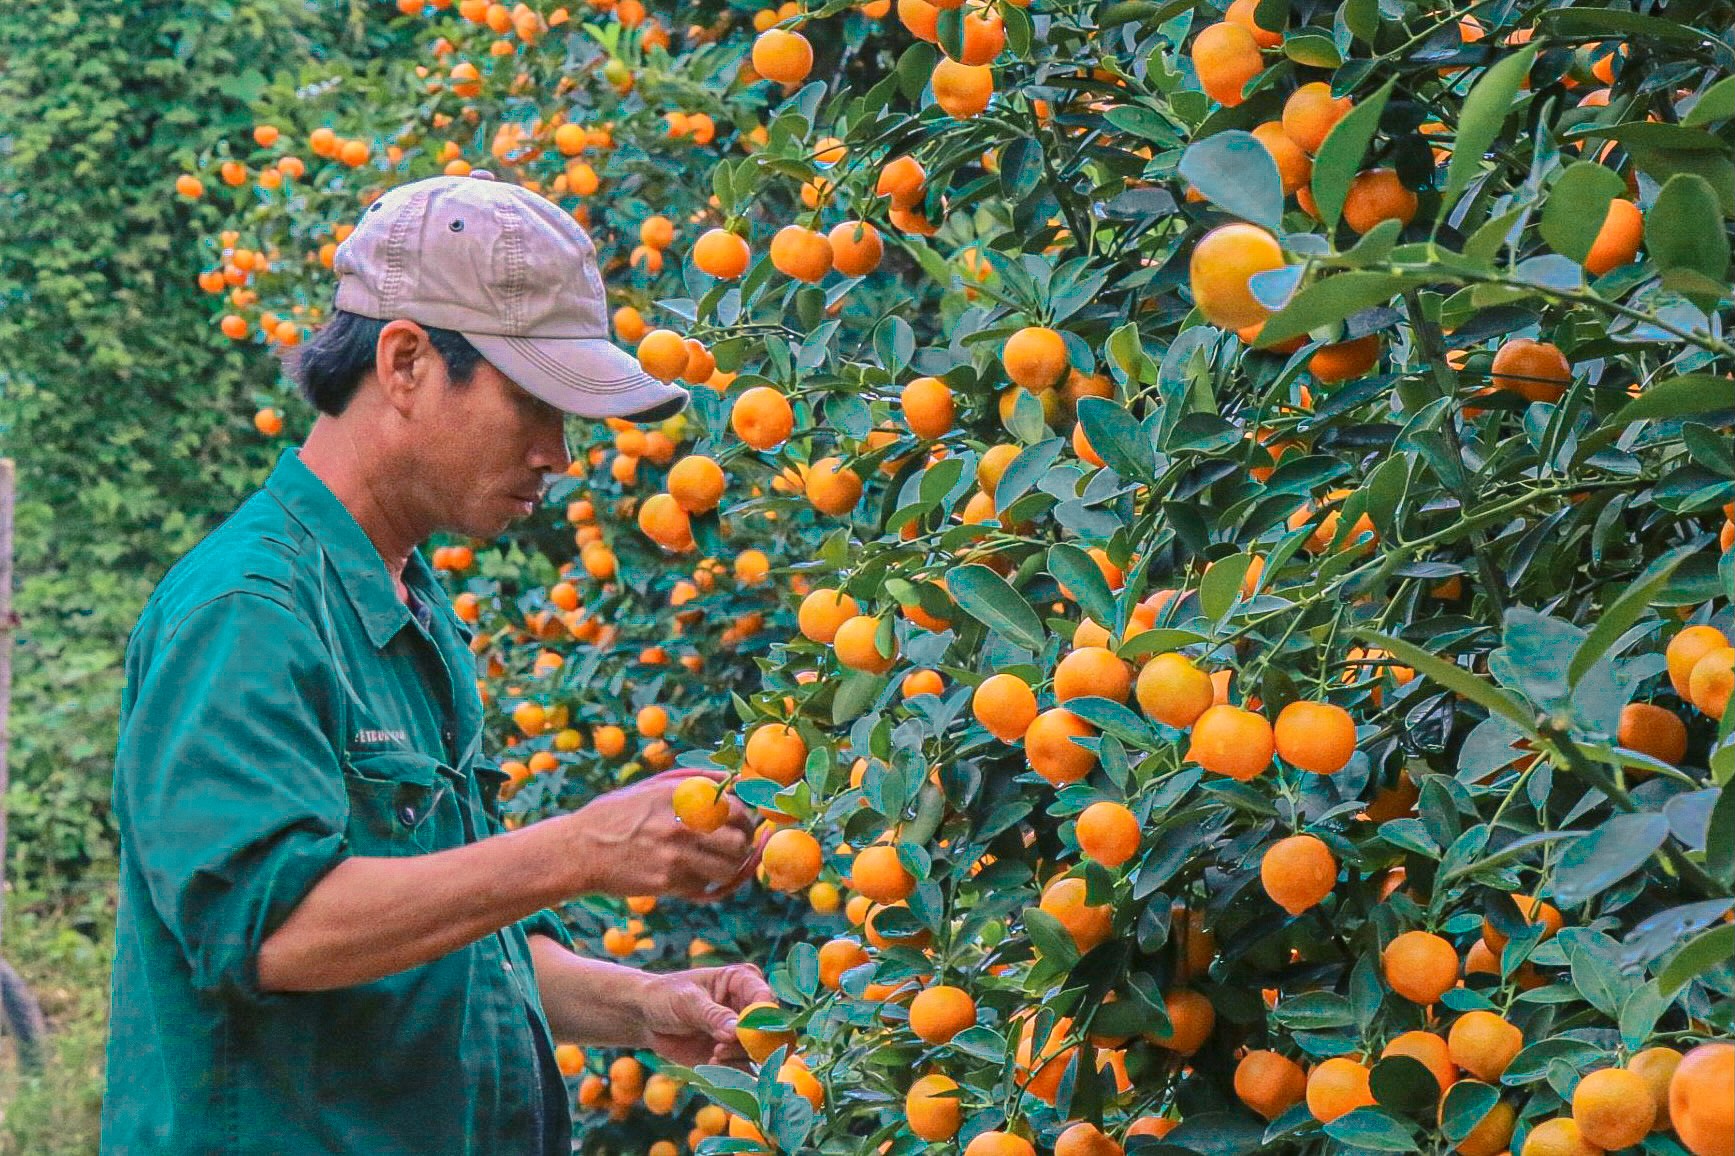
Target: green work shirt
{"x": 285, "y": 709}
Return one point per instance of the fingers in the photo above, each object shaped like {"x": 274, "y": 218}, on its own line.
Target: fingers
{"x": 703, "y": 1016}
{"x": 716, "y": 859}
{"x": 742, "y": 874}
{"x": 733, "y": 984}
{"x": 740, "y": 817}
{"x": 722, "y": 858}
{"x": 676, "y": 774}
{"x": 733, "y": 1057}
{"x": 711, "y": 878}
{"x": 743, "y": 984}
{"x": 712, "y": 1016}
{"x": 731, "y": 842}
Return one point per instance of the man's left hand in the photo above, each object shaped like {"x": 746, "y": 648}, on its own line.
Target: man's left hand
{"x": 690, "y": 1015}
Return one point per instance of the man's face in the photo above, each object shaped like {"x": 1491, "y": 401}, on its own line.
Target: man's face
{"x": 487, "y": 452}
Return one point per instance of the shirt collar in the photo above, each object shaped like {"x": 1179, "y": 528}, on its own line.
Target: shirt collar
{"x": 348, "y": 550}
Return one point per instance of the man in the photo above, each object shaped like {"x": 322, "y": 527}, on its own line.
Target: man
{"x": 327, "y": 942}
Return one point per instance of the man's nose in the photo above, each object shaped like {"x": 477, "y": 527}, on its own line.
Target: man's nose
{"x": 551, "y": 454}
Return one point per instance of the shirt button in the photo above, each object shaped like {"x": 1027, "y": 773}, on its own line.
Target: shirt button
{"x": 408, "y": 814}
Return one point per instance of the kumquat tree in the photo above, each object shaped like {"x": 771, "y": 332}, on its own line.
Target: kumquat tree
{"x": 1206, "y": 534}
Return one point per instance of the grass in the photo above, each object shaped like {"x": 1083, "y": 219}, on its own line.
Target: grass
{"x": 64, "y": 954}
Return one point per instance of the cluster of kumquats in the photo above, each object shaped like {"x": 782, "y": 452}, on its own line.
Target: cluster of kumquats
{"x": 1205, "y": 534}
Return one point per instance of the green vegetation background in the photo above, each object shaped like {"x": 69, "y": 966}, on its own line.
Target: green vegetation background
{"x": 130, "y": 418}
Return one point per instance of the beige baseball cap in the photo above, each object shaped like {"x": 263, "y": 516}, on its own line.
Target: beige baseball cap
{"x": 513, "y": 273}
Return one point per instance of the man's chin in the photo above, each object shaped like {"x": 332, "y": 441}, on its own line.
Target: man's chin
{"x": 486, "y": 528}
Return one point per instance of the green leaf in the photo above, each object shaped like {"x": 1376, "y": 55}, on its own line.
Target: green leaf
{"x": 950, "y": 26}
{"x": 1362, "y": 18}
{"x": 990, "y": 600}
{"x": 792, "y": 1118}
{"x": 1612, "y": 22}
{"x": 1117, "y": 438}
{"x": 1404, "y": 1084}
{"x": 1313, "y": 49}
{"x": 1019, "y": 31}
{"x": 1112, "y": 718}
{"x": 1330, "y": 300}
{"x": 1534, "y": 1062}
{"x": 1684, "y": 231}
{"x": 1158, "y": 641}
{"x": 854, "y": 695}
{"x": 1485, "y": 111}
{"x": 1714, "y": 104}
{"x": 1539, "y": 649}
{"x": 1685, "y": 396}
{"x": 1143, "y": 122}
{"x": 1625, "y": 611}
{"x": 1222, "y": 584}
{"x": 1052, "y": 941}
{"x": 938, "y": 480}
{"x": 1314, "y": 1011}
{"x": 1073, "y": 569}
{"x": 1466, "y": 1103}
{"x": 1490, "y": 236}
{"x": 1340, "y": 156}
{"x": 245, "y": 88}
{"x": 804, "y": 968}
{"x": 1125, "y": 12}
{"x": 727, "y": 1089}
{"x": 1455, "y": 678}
{"x": 1640, "y": 1012}
{"x": 1577, "y": 203}
{"x": 1701, "y": 955}
{"x": 1237, "y": 174}
{"x": 1372, "y": 1129}
{"x": 1025, "y": 471}
{"x": 894, "y": 344}
{"x": 980, "y": 1042}
{"x": 1607, "y": 855}
{"x": 915, "y": 68}
{"x": 1596, "y": 971}
{"x": 1709, "y": 448}
{"x": 1720, "y": 838}
{"x": 1214, "y": 1134}
{"x": 1515, "y": 849}
{"x": 1026, "y": 423}
{"x": 1128, "y": 354}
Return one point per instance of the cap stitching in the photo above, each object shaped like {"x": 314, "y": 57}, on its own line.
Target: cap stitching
{"x": 516, "y": 283}
{"x": 396, "y": 273}
{"x": 525, "y": 348}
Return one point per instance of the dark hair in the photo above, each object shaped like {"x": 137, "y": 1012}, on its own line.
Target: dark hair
{"x": 333, "y": 362}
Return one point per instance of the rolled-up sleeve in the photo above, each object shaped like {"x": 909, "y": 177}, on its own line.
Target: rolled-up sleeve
{"x": 228, "y": 790}
{"x": 546, "y": 922}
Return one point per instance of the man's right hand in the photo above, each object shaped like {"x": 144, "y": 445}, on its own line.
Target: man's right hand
{"x": 640, "y": 848}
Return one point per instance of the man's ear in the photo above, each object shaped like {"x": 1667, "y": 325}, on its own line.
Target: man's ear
{"x": 405, "y": 363}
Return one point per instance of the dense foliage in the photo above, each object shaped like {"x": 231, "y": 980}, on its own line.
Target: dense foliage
{"x": 1230, "y": 513}
{"x": 128, "y": 415}
{"x": 130, "y": 419}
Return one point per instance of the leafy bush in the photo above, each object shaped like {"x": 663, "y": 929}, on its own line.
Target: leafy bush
{"x": 1278, "y": 472}
{"x": 128, "y": 414}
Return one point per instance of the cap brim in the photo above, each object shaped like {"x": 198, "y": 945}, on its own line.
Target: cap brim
{"x": 590, "y": 377}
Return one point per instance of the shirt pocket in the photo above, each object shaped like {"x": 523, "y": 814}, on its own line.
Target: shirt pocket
{"x": 489, "y": 779}
{"x": 396, "y": 800}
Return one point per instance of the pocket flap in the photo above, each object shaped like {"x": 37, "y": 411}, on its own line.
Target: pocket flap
{"x": 395, "y": 767}
{"x": 489, "y": 779}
